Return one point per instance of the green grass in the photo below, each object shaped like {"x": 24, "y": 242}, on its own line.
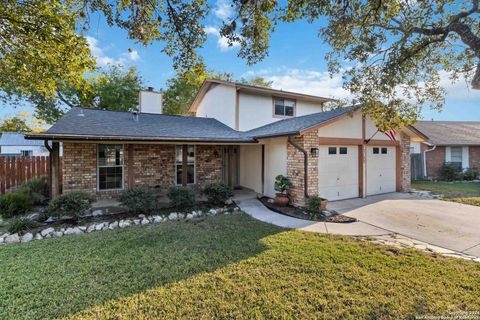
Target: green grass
{"x": 462, "y": 192}
{"x": 228, "y": 267}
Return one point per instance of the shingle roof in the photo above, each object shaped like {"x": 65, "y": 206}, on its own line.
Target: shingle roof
{"x": 451, "y": 132}
{"x": 297, "y": 124}
{"x": 93, "y": 124}
{"x": 17, "y": 139}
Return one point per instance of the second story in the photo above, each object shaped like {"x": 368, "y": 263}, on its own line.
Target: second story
{"x": 15, "y": 144}
{"x": 244, "y": 107}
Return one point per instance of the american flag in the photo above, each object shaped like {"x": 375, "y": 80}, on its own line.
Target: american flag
{"x": 392, "y": 134}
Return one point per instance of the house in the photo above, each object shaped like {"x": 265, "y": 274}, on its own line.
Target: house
{"x": 455, "y": 142}
{"x": 15, "y": 144}
{"x": 239, "y": 134}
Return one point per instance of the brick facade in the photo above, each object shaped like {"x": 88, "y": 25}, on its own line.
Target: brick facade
{"x": 474, "y": 157}
{"x": 405, "y": 172}
{"x": 435, "y": 160}
{"x": 153, "y": 166}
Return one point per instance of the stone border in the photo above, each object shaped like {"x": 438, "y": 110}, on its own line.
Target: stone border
{"x": 142, "y": 219}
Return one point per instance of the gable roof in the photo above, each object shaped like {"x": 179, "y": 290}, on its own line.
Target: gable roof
{"x": 296, "y": 125}
{"x": 253, "y": 89}
{"x": 451, "y": 132}
{"x": 93, "y": 124}
{"x": 17, "y": 139}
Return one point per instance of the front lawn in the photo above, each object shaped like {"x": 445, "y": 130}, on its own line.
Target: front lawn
{"x": 228, "y": 266}
{"x": 463, "y": 192}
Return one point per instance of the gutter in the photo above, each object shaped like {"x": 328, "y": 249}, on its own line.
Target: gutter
{"x": 425, "y": 159}
{"x": 305, "y": 165}
{"x": 45, "y": 142}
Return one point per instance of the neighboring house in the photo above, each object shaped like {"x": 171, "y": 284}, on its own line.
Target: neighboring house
{"x": 242, "y": 135}
{"x": 455, "y": 142}
{"x": 15, "y": 144}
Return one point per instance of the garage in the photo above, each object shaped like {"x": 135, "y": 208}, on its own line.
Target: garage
{"x": 380, "y": 170}
{"x": 338, "y": 172}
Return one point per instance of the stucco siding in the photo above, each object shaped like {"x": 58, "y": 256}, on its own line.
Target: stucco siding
{"x": 251, "y": 167}
{"x": 219, "y": 103}
{"x": 275, "y": 162}
{"x": 371, "y": 131}
{"x": 350, "y": 126}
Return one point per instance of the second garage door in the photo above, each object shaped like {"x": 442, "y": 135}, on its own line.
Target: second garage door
{"x": 338, "y": 172}
{"x": 381, "y": 172}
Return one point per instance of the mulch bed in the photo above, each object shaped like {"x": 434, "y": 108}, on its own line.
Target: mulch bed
{"x": 302, "y": 213}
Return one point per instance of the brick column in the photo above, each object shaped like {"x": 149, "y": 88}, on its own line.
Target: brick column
{"x": 405, "y": 173}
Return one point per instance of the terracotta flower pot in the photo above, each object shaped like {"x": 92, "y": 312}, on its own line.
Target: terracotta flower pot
{"x": 323, "y": 204}
{"x": 281, "y": 199}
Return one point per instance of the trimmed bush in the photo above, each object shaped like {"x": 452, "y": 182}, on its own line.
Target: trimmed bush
{"x": 16, "y": 225}
{"x": 138, "y": 200}
{"x": 14, "y": 204}
{"x": 217, "y": 192}
{"x": 181, "y": 196}
{"x": 71, "y": 204}
{"x": 314, "y": 204}
{"x": 36, "y": 189}
{"x": 449, "y": 172}
{"x": 470, "y": 174}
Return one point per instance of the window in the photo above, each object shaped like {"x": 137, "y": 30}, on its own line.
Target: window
{"x": 375, "y": 150}
{"x": 190, "y": 150}
{"x": 284, "y": 107}
{"x": 384, "y": 150}
{"x": 343, "y": 150}
{"x": 456, "y": 157}
{"x": 26, "y": 153}
{"x": 110, "y": 166}
{"x": 332, "y": 150}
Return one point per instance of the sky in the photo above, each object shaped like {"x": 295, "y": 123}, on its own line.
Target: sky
{"x": 295, "y": 63}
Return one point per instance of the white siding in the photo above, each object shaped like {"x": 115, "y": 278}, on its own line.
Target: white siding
{"x": 37, "y": 150}
{"x": 251, "y": 167}
{"x": 304, "y": 108}
{"x": 275, "y": 162}
{"x": 415, "y": 147}
{"x": 151, "y": 102}
{"x": 219, "y": 103}
{"x": 347, "y": 127}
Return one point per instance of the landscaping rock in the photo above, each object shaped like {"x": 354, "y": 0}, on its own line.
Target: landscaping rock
{"x": 113, "y": 225}
{"x": 77, "y": 230}
{"x": 124, "y": 223}
{"x": 38, "y": 236}
{"x": 68, "y": 231}
{"x": 189, "y": 216}
{"x": 141, "y": 216}
{"x": 199, "y": 213}
{"x": 90, "y": 228}
{"x": 157, "y": 219}
{"x": 46, "y": 232}
{"x": 27, "y": 237}
{"x": 145, "y": 221}
{"x": 99, "y": 226}
{"x": 48, "y": 236}
{"x": 236, "y": 209}
{"x": 1, "y": 240}
{"x": 229, "y": 202}
{"x": 181, "y": 216}
{"x": 97, "y": 213}
{"x": 136, "y": 221}
{"x": 12, "y": 238}
{"x": 173, "y": 216}
{"x": 212, "y": 212}
{"x": 83, "y": 228}
{"x": 56, "y": 234}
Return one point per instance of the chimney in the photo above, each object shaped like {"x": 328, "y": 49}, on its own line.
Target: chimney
{"x": 150, "y": 101}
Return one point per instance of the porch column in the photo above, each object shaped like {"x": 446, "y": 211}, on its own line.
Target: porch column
{"x": 55, "y": 170}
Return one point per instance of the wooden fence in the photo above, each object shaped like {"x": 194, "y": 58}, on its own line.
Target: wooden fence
{"x": 16, "y": 170}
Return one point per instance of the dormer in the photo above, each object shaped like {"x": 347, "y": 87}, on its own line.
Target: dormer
{"x": 244, "y": 107}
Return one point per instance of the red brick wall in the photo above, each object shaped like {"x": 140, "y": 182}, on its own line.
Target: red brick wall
{"x": 435, "y": 159}
{"x": 474, "y": 157}
{"x": 153, "y": 166}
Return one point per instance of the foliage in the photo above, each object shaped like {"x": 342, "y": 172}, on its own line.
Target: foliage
{"x": 36, "y": 189}
{"x": 138, "y": 200}
{"x": 474, "y": 201}
{"x": 450, "y": 172}
{"x": 72, "y": 204}
{"x": 462, "y": 192}
{"x": 14, "y": 204}
{"x": 16, "y": 225}
{"x": 14, "y": 124}
{"x": 113, "y": 88}
{"x": 281, "y": 183}
{"x": 181, "y": 196}
{"x": 470, "y": 174}
{"x": 218, "y": 192}
{"x": 314, "y": 204}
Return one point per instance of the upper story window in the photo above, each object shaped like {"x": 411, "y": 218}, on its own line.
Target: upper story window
{"x": 283, "y": 107}
{"x": 110, "y": 166}
{"x": 26, "y": 153}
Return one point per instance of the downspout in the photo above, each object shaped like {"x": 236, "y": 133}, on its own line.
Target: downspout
{"x": 305, "y": 165}
{"x": 45, "y": 142}
{"x": 425, "y": 159}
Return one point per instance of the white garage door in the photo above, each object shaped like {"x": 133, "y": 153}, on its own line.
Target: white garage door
{"x": 380, "y": 171}
{"x": 338, "y": 172}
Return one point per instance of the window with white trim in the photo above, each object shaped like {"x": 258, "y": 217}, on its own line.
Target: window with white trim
{"x": 284, "y": 107}
{"x": 26, "y": 153}
{"x": 110, "y": 166}
{"x": 190, "y": 149}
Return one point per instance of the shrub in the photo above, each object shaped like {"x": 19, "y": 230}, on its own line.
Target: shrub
{"x": 218, "y": 192}
{"x": 470, "y": 174}
{"x": 450, "y": 172}
{"x": 16, "y": 225}
{"x": 281, "y": 183}
{"x": 36, "y": 189}
{"x": 314, "y": 204}
{"x": 70, "y": 204}
{"x": 181, "y": 196}
{"x": 14, "y": 203}
{"x": 138, "y": 200}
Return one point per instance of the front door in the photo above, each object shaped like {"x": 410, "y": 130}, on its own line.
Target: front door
{"x": 231, "y": 165}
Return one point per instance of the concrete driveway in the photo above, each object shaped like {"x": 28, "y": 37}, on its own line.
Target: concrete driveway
{"x": 445, "y": 224}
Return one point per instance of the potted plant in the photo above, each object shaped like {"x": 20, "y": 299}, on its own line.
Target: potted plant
{"x": 281, "y": 186}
